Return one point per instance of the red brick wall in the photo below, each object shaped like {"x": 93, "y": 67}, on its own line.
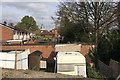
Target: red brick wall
{"x": 47, "y": 50}
{"x": 5, "y": 33}
{"x": 85, "y": 49}
{"x": 55, "y": 31}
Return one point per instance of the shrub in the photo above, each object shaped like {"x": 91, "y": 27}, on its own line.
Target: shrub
{"x": 92, "y": 72}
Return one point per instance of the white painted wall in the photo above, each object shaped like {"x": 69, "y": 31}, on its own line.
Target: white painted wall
{"x": 25, "y": 36}
{"x": 28, "y": 35}
{"x": 15, "y": 35}
{"x": 21, "y": 36}
{"x": 3, "y": 57}
{"x": 7, "y": 60}
{"x": 22, "y": 60}
{"x": 10, "y": 63}
{"x": 43, "y": 64}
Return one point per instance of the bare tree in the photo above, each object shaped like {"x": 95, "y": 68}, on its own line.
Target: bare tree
{"x": 97, "y": 17}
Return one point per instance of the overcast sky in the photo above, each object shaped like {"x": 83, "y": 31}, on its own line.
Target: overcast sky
{"x": 42, "y": 11}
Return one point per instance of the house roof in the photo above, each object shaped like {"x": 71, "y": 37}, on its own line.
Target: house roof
{"x": 15, "y": 28}
{"x": 45, "y": 32}
{"x": 55, "y": 28}
{"x": 6, "y": 26}
{"x": 21, "y": 30}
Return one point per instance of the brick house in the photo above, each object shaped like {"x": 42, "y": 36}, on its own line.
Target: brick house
{"x": 52, "y": 34}
{"x": 21, "y": 34}
{"x": 55, "y": 32}
{"x": 10, "y": 33}
{"x": 46, "y": 33}
{"x": 6, "y": 33}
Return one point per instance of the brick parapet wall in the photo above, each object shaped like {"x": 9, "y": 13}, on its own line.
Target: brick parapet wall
{"x": 45, "y": 49}
{"x": 85, "y": 49}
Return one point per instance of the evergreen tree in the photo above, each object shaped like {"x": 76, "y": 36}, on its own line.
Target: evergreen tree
{"x": 27, "y": 23}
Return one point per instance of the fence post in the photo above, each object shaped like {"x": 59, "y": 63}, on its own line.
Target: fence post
{"x": 115, "y": 65}
{"x": 15, "y": 60}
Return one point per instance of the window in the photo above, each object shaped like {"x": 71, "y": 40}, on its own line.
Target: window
{"x": 15, "y": 32}
{"x": 65, "y": 68}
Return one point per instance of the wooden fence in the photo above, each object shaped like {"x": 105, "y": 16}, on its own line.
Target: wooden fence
{"x": 110, "y": 71}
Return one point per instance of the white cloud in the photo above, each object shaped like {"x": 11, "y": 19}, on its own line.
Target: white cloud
{"x": 13, "y": 15}
{"x": 30, "y": 0}
{"x": 14, "y": 11}
{"x": 0, "y": 12}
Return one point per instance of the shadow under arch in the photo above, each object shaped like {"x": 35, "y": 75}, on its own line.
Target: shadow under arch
{"x": 34, "y": 60}
{"x": 51, "y": 63}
